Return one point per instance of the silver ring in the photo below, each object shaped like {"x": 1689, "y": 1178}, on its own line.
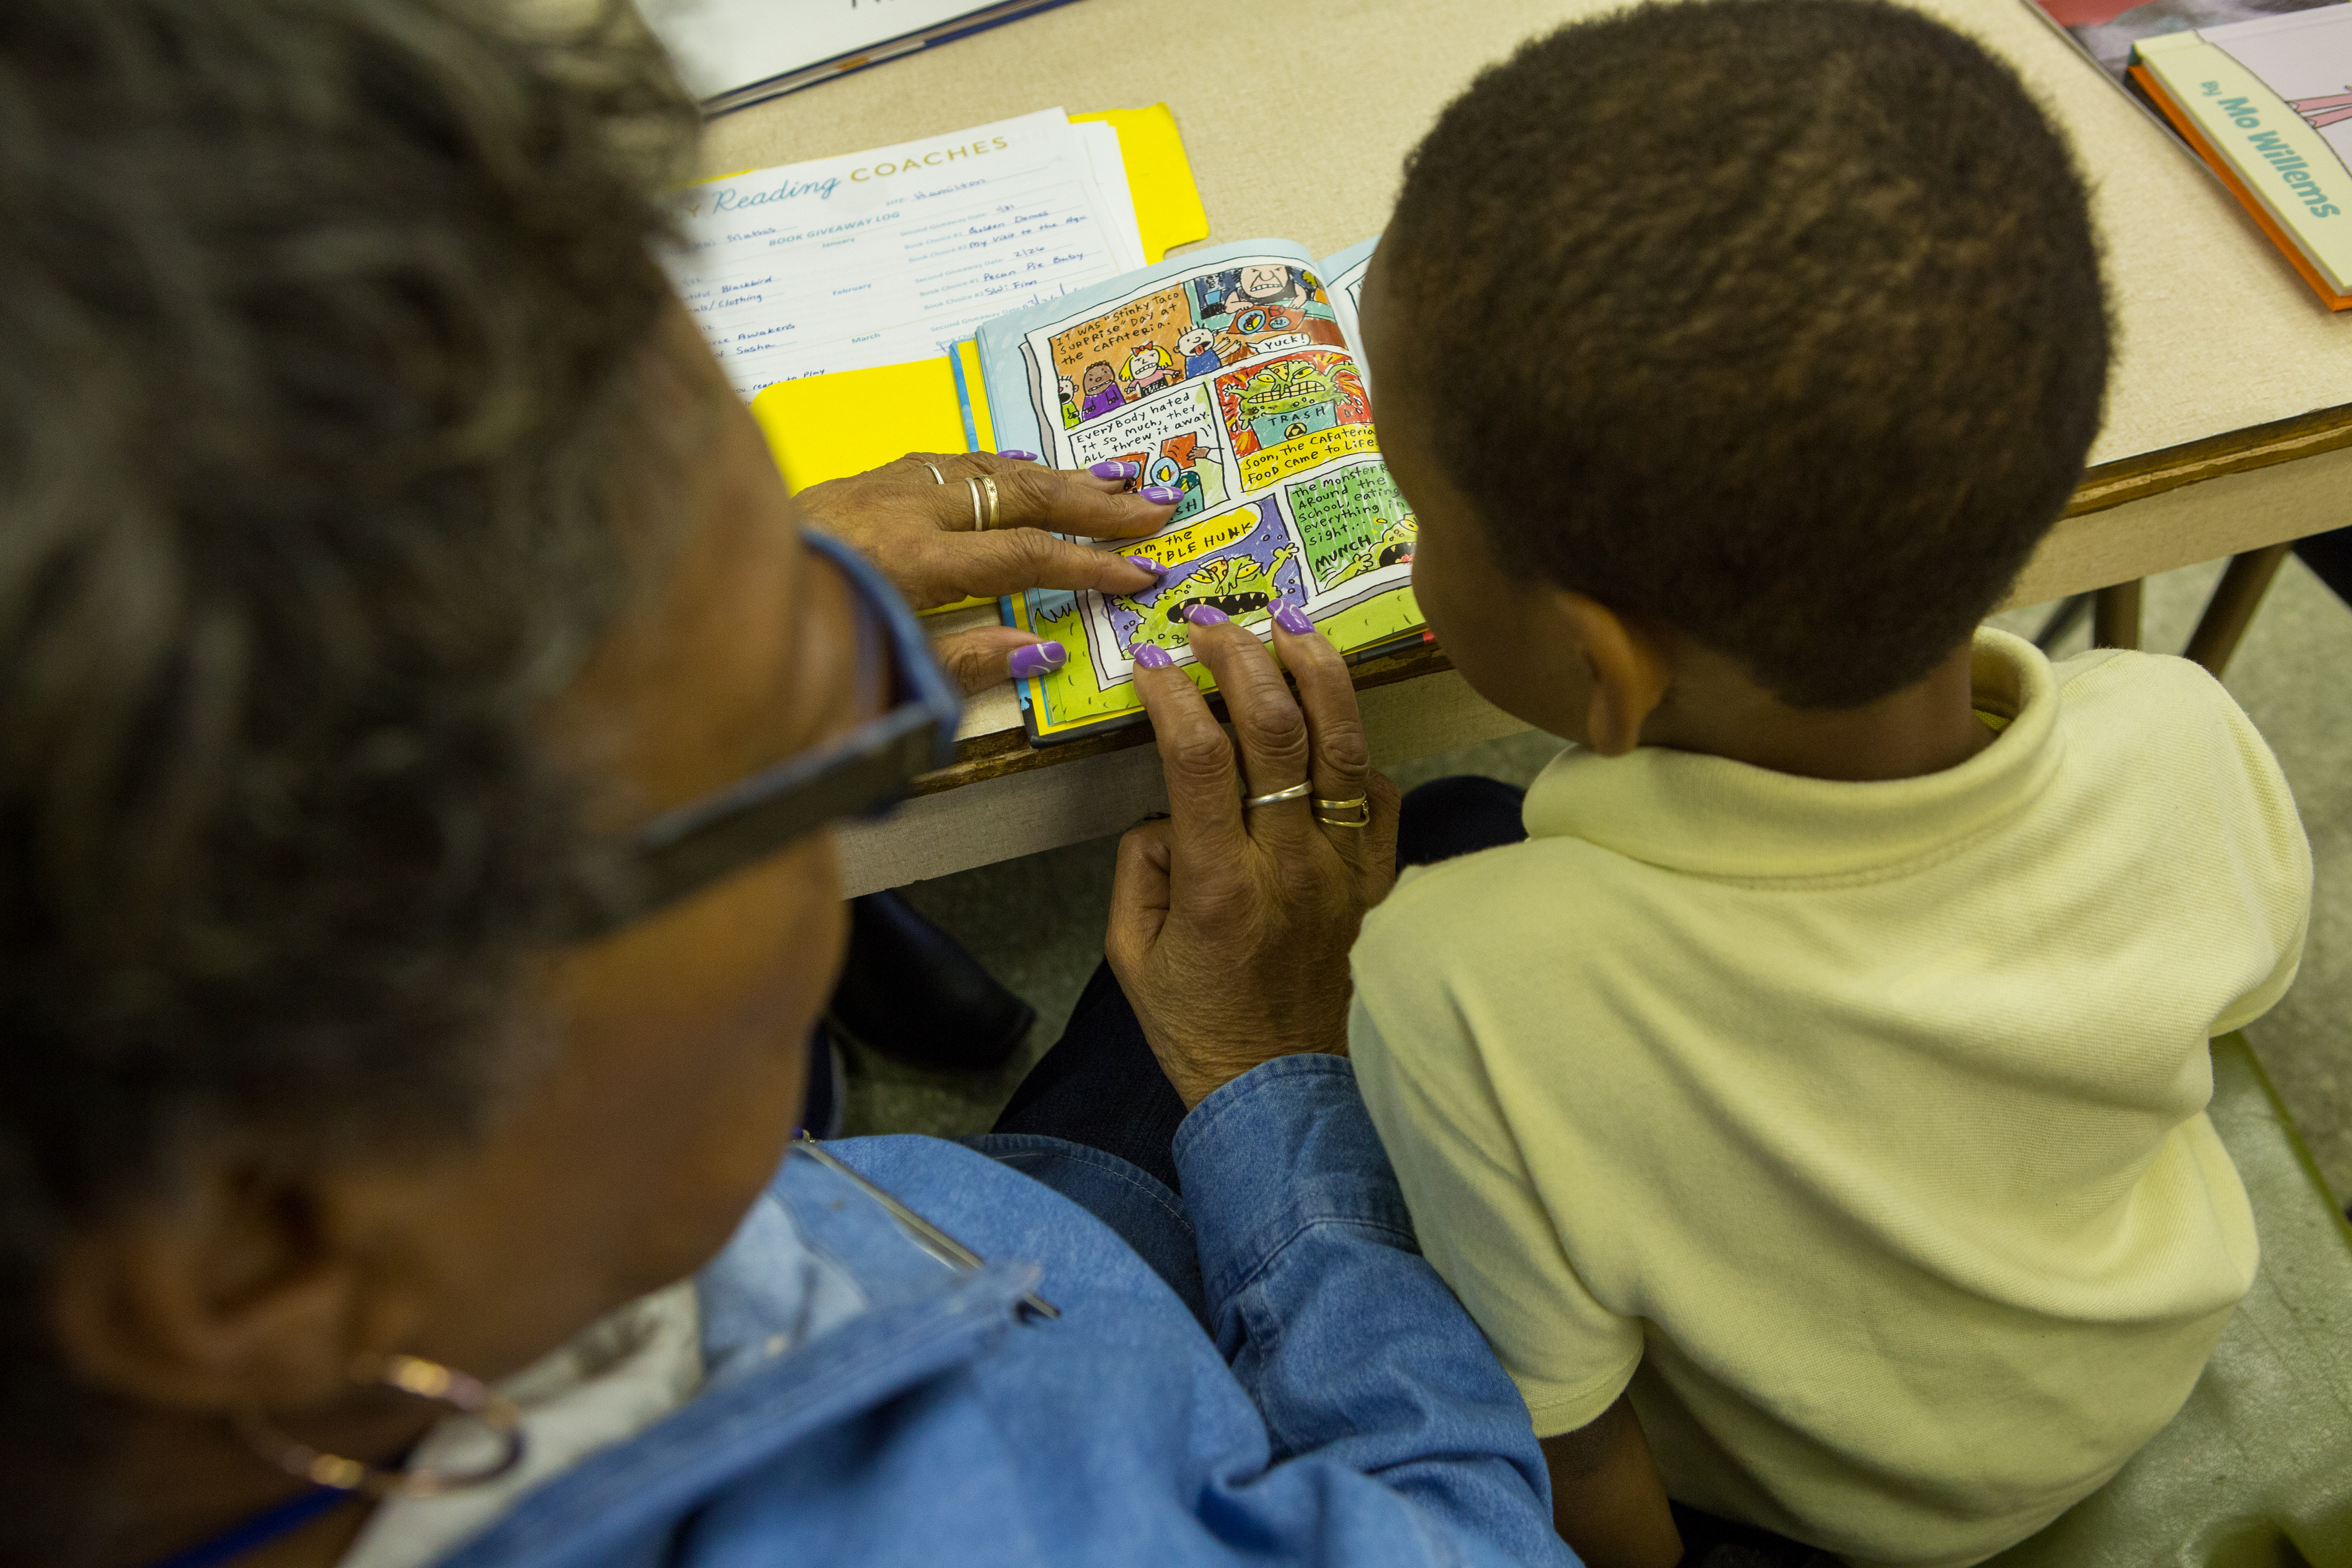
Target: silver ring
{"x": 1295, "y": 792}
{"x": 941, "y": 478}
{"x": 972, "y": 484}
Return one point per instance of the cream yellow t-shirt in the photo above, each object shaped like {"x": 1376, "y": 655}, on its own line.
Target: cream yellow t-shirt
{"x": 1859, "y": 1127}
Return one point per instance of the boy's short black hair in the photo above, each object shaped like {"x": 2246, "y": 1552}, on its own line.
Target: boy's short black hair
{"x": 1777, "y": 320}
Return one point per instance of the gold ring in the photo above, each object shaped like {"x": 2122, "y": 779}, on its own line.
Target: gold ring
{"x": 988, "y": 483}
{"x": 936, "y": 475}
{"x": 973, "y": 484}
{"x": 1362, "y": 805}
{"x": 1295, "y": 792}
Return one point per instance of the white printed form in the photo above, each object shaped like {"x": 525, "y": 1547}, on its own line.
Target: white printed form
{"x": 883, "y": 257}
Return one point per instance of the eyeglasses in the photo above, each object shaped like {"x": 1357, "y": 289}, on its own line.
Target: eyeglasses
{"x": 860, "y": 774}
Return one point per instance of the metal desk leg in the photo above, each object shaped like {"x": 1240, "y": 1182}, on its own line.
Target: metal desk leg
{"x": 2231, "y": 608}
{"x": 2114, "y": 623}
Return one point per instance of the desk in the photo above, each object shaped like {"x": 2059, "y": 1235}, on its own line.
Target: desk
{"x": 2228, "y": 419}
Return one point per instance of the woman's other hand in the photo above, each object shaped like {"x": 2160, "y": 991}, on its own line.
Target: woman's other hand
{"x": 1230, "y": 927}
{"x": 913, "y": 518}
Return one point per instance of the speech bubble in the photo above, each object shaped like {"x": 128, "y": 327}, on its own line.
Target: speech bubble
{"x": 1241, "y": 561}
{"x": 1143, "y": 426}
{"x": 1347, "y": 519}
{"x": 1301, "y": 453}
{"x": 1101, "y": 337}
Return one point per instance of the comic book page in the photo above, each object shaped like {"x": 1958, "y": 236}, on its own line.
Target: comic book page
{"x": 1227, "y": 377}
{"x": 1343, "y": 275}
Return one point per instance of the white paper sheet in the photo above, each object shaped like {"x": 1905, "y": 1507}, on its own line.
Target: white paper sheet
{"x": 722, "y": 44}
{"x": 892, "y": 255}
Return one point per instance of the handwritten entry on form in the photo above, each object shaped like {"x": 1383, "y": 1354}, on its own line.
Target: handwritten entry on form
{"x": 883, "y": 257}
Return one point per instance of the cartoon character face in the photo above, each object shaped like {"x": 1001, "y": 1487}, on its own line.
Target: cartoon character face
{"x": 1196, "y": 341}
{"x": 1262, "y": 285}
{"x": 1237, "y": 584}
{"x": 1099, "y": 375}
{"x": 1144, "y": 363}
{"x": 1069, "y": 392}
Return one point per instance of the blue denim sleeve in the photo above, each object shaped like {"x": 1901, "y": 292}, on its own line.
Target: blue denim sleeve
{"x": 1351, "y": 1347}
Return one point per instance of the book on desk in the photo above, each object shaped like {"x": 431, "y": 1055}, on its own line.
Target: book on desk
{"x": 2262, "y": 91}
{"x": 1231, "y": 376}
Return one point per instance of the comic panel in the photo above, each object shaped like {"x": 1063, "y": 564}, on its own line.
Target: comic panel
{"x": 1354, "y": 527}
{"x": 1190, "y": 328}
{"x": 1239, "y": 561}
{"x": 1260, "y": 308}
{"x": 1175, "y": 439}
{"x": 1295, "y": 412}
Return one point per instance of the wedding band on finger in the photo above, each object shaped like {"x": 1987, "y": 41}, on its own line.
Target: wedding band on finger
{"x": 1295, "y": 792}
{"x": 936, "y": 475}
{"x": 987, "y": 487}
{"x": 972, "y": 484}
{"x": 1360, "y": 808}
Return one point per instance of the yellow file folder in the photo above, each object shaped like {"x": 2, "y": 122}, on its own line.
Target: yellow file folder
{"x": 827, "y": 426}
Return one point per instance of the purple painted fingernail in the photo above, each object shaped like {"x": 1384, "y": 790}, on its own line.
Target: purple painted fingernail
{"x": 1151, "y": 656}
{"x": 1291, "y": 618}
{"x": 1149, "y": 564}
{"x": 1016, "y": 453}
{"x": 1112, "y": 469}
{"x": 1162, "y": 495}
{"x": 1197, "y": 614}
{"x": 1037, "y": 657}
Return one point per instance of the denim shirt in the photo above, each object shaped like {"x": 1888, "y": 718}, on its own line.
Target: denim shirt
{"x": 867, "y": 1405}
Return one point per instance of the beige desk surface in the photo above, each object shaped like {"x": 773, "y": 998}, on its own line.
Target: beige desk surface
{"x": 2230, "y": 412}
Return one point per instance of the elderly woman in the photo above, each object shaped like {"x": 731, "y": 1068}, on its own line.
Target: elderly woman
{"x": 421, "y": 716}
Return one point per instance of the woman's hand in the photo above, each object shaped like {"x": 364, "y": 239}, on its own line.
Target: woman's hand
{"x": 1230, "y": 929}
{"x": 918, "y": 531}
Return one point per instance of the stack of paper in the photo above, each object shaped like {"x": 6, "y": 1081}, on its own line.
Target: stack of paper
{"x": 734, "y": 52}
{"x": 880, "y": 258}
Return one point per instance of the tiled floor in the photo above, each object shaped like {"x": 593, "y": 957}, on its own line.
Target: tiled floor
{"x": 1037, "y": 922}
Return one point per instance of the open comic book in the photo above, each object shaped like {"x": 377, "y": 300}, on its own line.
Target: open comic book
{"x": 1233, "y": 375}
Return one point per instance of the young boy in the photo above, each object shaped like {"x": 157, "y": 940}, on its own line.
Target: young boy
{"x": 1811, "y": 1108}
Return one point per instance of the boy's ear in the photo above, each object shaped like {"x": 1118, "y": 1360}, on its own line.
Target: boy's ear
{"x": 1630, "y": 672}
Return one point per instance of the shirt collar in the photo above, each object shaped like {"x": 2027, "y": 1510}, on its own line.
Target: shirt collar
{"x": 1710, "y": 816}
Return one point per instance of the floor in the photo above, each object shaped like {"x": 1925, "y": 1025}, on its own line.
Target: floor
{"x": 1037, "y": 922}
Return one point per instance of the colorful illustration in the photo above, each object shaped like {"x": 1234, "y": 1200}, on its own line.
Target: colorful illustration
{"x": 1351, "y": 523}
{"x": 1240, "y": 586}
{"x": 1199, "y": 348}
{"x": 1149, "y": 369}
{"x": 1054, "y": 613}
{"x": 1240, "y": 562}
{"x": 1287, "y": 415}
{"x": 2329, "y": 109}
{"x": 1176, "y": 441}
{"x": 1264, "y": 286}
{"x": 1390, "y": 546}
{"x": 1069, "y": 404}
{"x": 1102, "y": 391}
{"x": 1190, "y": 328}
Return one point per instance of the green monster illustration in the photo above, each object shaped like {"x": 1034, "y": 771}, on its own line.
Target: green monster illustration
{"x": 1288, "y": 398}
{"x": 1237, "y": 584}
{"x": 1391, "y": 543}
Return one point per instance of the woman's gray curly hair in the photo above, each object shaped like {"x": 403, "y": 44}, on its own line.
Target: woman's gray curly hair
{"x": 319, "y": 334}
